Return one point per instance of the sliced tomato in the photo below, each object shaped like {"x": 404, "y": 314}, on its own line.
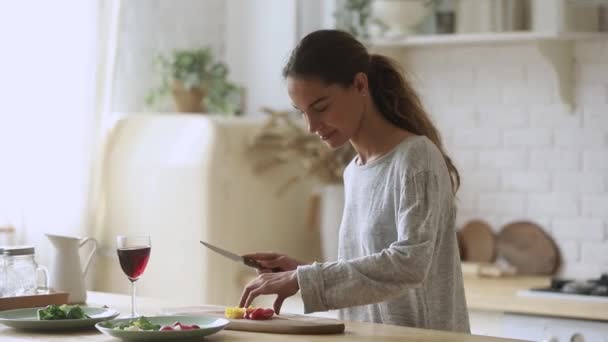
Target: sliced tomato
{"x": 260, "y": 314}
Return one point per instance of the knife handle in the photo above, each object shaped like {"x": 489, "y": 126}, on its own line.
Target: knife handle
{"x": 253, "y": 263}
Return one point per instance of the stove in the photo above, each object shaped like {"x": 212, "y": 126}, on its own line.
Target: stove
{"x": 554, "y": 329}
{"x": 595, "y": 290}
{"x": 592, "y": 287}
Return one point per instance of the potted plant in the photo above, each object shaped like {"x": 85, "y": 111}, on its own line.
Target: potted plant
{"x": 197, "y": 82}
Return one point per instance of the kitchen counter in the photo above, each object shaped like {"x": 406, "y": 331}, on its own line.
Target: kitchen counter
{"x": 354, "y": 331}
{"x": 500, "y": 294}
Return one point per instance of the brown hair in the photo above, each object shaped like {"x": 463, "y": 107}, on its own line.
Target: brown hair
{"x": 336, "y": 57}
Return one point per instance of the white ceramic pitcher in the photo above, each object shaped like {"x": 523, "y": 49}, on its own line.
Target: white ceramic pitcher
{"x": 67, "y": 273}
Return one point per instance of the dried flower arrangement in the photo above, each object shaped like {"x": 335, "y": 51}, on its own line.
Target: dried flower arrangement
{"x": 282, "y": 141}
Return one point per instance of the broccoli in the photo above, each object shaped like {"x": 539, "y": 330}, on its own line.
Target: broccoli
{"x": 53, "y": 312}
{"x": 142, "y": 323}
{"x": 75, "y": 312}
{"x": 145, "y": 324}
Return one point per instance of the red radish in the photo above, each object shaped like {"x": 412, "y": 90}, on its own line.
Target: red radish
{"x": 166, "y": 328}
{"x": 182, "y": 326}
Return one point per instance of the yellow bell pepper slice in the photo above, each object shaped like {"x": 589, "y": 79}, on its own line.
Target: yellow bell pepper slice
{"x": 234, "y": 312}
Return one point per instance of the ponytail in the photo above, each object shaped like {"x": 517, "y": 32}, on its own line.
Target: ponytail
{"x": 401, "y": 106}
{"x": 336, "y": 57}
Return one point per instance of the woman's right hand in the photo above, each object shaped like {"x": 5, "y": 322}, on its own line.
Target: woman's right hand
{"x": 270, "y": 261}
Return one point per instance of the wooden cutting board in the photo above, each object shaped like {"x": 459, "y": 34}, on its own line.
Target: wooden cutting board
{"x": 477, "y": 242}
{"x": 526, "y": 246}
{"x": 281, "y": 324}
{"x": 32, "y": 301}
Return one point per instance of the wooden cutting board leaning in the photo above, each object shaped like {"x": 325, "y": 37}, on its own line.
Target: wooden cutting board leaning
{"x": 526, "y": 246}
{"x": 477, "y": 242}
{"x": 279, "y": 324}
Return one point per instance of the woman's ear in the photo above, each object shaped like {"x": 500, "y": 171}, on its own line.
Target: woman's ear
{"x": 361, "y": 83}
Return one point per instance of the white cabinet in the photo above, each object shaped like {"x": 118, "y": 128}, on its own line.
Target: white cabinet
{"x": 487, "y": 323}
{"x": 537, "y": 328}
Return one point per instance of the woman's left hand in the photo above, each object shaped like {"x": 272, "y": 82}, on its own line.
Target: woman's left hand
{"x": 283, "y": 284}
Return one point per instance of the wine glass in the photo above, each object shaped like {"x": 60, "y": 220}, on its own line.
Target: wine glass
{"x": 133, "y": 254}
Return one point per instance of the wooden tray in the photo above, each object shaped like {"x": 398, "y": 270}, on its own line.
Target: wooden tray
{"x": 8, "y": 303}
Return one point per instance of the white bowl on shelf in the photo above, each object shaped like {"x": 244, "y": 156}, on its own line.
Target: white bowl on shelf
{"x": 402, "y": 17}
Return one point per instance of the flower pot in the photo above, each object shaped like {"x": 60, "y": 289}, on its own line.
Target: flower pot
{"x": 188, "y": 100}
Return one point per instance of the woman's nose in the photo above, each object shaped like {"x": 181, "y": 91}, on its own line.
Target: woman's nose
{"x": 313, "y": 125}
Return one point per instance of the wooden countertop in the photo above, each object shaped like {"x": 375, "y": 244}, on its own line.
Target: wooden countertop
{"x": 500, "y": 294}
{"x": 354, "y": 331}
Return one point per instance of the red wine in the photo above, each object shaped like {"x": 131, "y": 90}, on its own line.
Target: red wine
{"x": 133, "y": 260}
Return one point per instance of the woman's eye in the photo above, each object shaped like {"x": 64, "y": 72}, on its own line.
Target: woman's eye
{"x": 320, "y": 110}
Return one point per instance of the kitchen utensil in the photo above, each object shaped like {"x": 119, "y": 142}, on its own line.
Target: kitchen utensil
{"x": 478, "y": 242}
{"x": 526, "y": 246}
{"x": 280, "y": 324}
{"x": 207, "y": 325}
{"x": 27, "y": 319}
{"x": 67, "y": 273}
{"x": 235, "y": 257}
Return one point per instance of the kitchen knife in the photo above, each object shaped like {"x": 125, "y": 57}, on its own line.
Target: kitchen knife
{"x": 235, "y": 257}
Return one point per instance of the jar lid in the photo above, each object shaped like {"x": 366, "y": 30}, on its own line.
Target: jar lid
{"x": 19, "y": 250}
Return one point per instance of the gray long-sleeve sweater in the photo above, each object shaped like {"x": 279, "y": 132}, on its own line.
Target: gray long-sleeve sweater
{"x": 398, "y": 255}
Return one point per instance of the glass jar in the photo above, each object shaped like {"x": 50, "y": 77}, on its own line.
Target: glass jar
{"x": 23, "y": 275}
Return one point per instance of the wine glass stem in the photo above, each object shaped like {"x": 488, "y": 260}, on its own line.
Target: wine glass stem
{"x": 133, "y": 311}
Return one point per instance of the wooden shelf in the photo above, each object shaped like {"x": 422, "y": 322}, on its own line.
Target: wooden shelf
{"x": 483, "y": 38}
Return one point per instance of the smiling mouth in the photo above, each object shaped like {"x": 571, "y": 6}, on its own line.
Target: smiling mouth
{"x": 327, "y": 136}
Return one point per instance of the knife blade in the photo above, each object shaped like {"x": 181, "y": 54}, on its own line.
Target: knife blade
{"x": 235, "y": 257}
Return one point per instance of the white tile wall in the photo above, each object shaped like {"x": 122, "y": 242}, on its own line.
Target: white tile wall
{"x": 523, "y": 154}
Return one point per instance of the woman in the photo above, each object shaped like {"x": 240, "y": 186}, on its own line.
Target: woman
{"x": 398, "y": 255}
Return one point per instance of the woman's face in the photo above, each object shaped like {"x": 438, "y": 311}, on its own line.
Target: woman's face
{"x": 333, "y": 112}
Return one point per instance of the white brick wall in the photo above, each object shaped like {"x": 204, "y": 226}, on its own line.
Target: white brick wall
{"x": 521, "y": 152}
{"x": 526, "y": 181}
